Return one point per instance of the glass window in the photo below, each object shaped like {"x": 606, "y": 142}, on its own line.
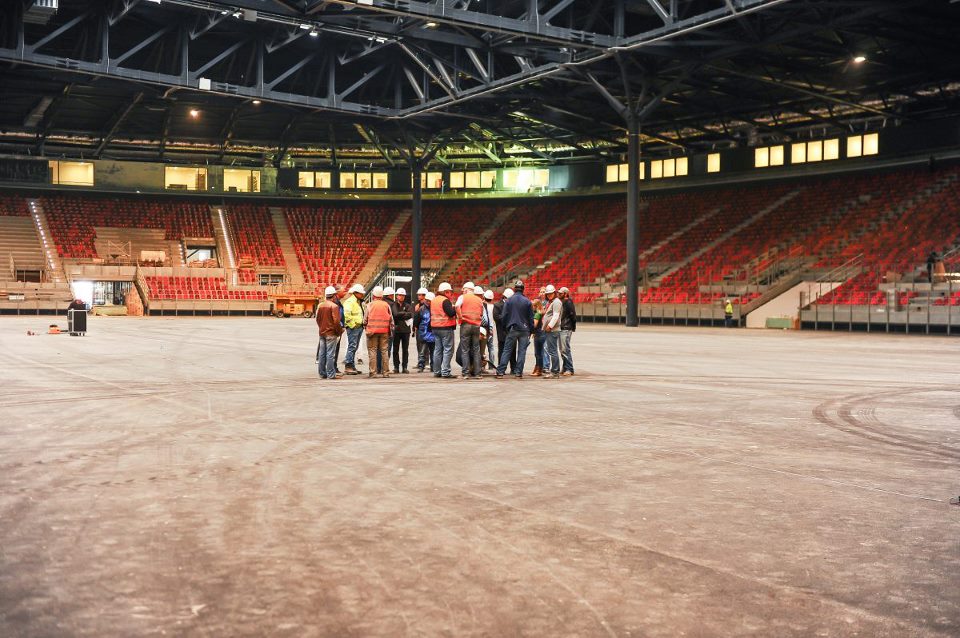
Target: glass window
{"x": 623, "y": 172}
{"x": 871, "y": 144}
{"x": 761, "y": 157}
{"x": 776, "y": 156}
{"x": 240, "y": 180}
{"x": 510, "y": 179}
{"x": 72, "y": 173}
{"x": 713, "y": 163}
{"x": 814, "y": 151}
{"x": 488, "y": 179}
{"x": 364, "y": 181}
{"x": 855, "y": 146}
{"x": 185, "y": 178}
{"x": 831, "y": 149}
{"x": 669, "y": 167}
{"x": 656, "y": 169}
{"x": 613, "y": 173}
{"x": 323, "y": 180}
{"x": 380, "y": 180}
{"x": 306, "y": 179}
{"x": 456, "y": 179}
{"x": 472, "y": 179}
{"x": 434, "y": 180}
{"x": 683, "y": 166}
{"x": 348, "y": 180}
{"x": 798, "y": 153}
{"x": 541, "y": 177}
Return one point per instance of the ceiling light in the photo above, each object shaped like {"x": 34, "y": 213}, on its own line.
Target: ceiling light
{"x": 314, "y": 33}
{"x": 237, "y": 14}
{"x": 194, "y": 113}
{"x": 304, "y": 26}
{"x": 256, "y": 101}
{"x": 860, "y": 59}
{"x": 431, "y": 25}
{"x": 225, "y": 12}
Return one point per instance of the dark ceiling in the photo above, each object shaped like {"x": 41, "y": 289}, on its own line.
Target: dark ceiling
{"x": 525, "y": 81}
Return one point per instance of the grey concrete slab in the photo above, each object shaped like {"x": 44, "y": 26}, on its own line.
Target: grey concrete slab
{"x": 195, "y": 477}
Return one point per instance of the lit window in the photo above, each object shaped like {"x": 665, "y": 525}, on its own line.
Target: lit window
{"x": 472, "y": 179}
{"x": 380, "y": 180}
{"x": 306, "y": 179}
{"x": 656, "y": 169}
{"x": 541, "y": 178}
{"x": 831, "y": 149}
{"x": 510, "y": 179}
{"x": 488, "y": 179}
{"x": 238, "y": 180}
{"x": 184, "y": 178}
{"x": 323, "y": 179}
{"x": 761, "y": 157}
{"x": 643, "y": 170}
{"x": 348, "y": 180}
{"x": 669, "y": 167}
{"x": 871, "y": 144}
{"x": 798, "y": 153}
{"x": 776, "y": 156}
{"x": 435, "y": 180}
{"x": 456, "y": 179}
{"x": 814, "y": 151}
{"x": 71, "y": 173}
{"x": 364, "y": 181}
{"x": 855, "y": 146}
{"x": 613, "y": 173}
{"x": 682, "y": 166}
{"x": 713, "y": 163}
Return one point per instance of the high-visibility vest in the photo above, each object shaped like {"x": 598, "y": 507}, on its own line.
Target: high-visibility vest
{"x": 378, "y": 317}
{"x": 728, "y": 309}
{"x": 471, "y": 309}
{"x": 438, "y": 318}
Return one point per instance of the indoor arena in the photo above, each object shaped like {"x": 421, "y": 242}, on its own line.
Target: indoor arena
{"x": 479, "y": 318}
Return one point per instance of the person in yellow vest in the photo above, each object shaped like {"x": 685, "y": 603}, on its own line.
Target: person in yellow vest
{"x": 470, "y": 313}
{"x": 727, "y": 313}
{"x": 379, "y": 325}
{"x": 443, "y": 321}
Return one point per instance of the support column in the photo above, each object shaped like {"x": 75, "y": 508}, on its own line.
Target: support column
{"x": 416, "y": 223}
{"x": 633, "y": 200}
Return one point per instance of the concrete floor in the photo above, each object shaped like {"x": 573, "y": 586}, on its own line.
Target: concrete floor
{"x": 194, "y": 477}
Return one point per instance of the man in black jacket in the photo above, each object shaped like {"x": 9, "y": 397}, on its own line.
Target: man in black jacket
{"x": 502, "y": 332}
{"x": 402, "y": 312}
{"x": 568, "y": 325}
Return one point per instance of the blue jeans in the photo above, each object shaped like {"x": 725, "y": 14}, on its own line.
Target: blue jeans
{"x": 470, "y": 350}
{"x": 491, "y": 349}
{"x": 327, "y": 366}
{"x": 551, "y": 352}
{"x": 565, "y": 353}
{"x": 514, "y": 337}
{"x": 353, "y": 341}
{"x": 539, "y": 358}
{"x": 442, "y": 352}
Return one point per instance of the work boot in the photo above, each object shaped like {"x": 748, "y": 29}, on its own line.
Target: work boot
{"x": 371, "y": 375}
{"x": 405, "y": 371}
{"x": 385, "y": 375}
{"x": 568, "y": 374}
{"x": 537, "y": 372}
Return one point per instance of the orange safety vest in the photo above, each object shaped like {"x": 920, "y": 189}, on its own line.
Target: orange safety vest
{"x": 471, "y": 309}
{"x": 378, "y": 317}
{"x": 438, "y": 318}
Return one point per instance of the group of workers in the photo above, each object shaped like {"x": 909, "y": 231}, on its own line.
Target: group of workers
{"x": 493, "y": 335}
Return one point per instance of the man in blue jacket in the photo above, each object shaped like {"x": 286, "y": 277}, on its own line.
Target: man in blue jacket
{"x": 518, "y": 322}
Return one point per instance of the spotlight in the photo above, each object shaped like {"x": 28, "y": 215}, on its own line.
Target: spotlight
{"x": 860, "y": 59}
{"x": 431, "y": 25}
{"x": 314, "y": 33}
{"x": 237, "y": 14}
{"x": 304, "y": 26}
{"x": 256, "y": 102}
{"x": 194, "y": 113}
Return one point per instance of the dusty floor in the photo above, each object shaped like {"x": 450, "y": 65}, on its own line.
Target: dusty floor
{"x": 194, "y": 477}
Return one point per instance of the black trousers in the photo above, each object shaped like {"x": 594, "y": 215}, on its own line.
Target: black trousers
{"x": 501, "y": 340}
{"x": 401, "y": 347}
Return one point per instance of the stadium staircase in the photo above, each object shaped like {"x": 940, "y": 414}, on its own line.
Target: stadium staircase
{"x": 375, "y": 265}
{"x": 294, "y": 271}
{"x": 46, "y": 239}
{"x": 222, "y": 237}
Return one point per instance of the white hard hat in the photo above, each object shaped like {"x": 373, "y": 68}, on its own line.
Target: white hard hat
{"x": 488, "y": 294}
{"x": 467, "y": 285}
{"x": 444, "y": 287}
{"x": 478, "y": 290}
{"x": 388, "y": 290}
{"x": 358, "y": 288}
{"x": 330, "y": 290}
{"x": 564, "y": 289}
{"x": 377, "y": 291}
{"x": 423, "y": 291}
{"x": 507, "y": 293}
{"x": 401, "y": 291}
{"x": 431, "y": 296}
{"x": 550, "y": 289}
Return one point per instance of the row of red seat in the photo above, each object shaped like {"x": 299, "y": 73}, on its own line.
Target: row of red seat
{"x": 198, "y": 288}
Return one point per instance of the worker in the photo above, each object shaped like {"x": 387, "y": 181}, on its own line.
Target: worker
{"x": 425, "y": 335}
{"x": 402, "y": 313}
{"x": 443, "y": 321}
{"x": 568, "y": 325}
{"x": 518, "y": 322}
{"x": 539, "y": 304}
{"x": 328, "y": 321}
{"x": 379, "y": 325}
{"x": 388, "y": 297}
{"x": 338, "y": 299}
{"x": 552, "y": 313}
{"x": 353, "y": 322}
{"x": 502, "y": 332}
{"x": 728, "y": 313}
{"x": 491, "y": 330}
{"x": 417, "y": 316}
{"x": 470, "y": 316}
{"x": 467, "y": 288}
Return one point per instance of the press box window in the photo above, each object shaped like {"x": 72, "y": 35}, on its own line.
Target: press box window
{"x": 313, "y": 179}
{"x": 768, "y": 156}
{"x": 713, "y": 163}
{"x": 238, "y": 180}
{"x": 860, "y": 145}
{"x": 71, "y": 173}
{"x": 185, "y": 178}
